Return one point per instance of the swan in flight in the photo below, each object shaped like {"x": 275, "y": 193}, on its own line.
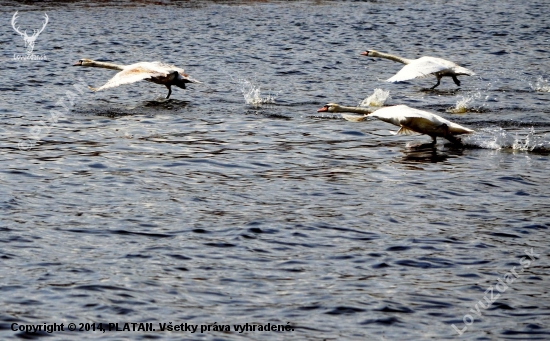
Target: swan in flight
{"x": 409, "y": 120}
{"x": 156, "y": 72}
{"x": 423, "y": 67}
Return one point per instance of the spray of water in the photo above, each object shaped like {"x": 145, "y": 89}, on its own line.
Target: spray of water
{"x": 541, "y": 85}
{"x": 498, "y": 138}
{"x": 253, "y": 94}
{"x": 531, "y": 142}
{"x": 466, "y": 104}
{"x": 377, "y": 99}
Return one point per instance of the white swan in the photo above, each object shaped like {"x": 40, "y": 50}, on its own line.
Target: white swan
{"x": 423, "y": 67}
{"x": 408, "y": 119}
{"x": 156, "y": 72}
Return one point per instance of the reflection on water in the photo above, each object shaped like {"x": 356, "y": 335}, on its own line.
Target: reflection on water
{"x": 423, "y": 153}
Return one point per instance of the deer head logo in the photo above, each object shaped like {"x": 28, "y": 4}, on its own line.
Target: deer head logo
{"x": 29, "y": 41}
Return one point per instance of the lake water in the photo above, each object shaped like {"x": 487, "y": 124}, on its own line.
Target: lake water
{"x": 235, "y": 202}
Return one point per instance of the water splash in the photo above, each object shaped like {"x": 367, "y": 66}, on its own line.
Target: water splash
{"x": 465, "y": 104}
{"x": 377, "y": 99}
{"x": 498, "y": 138}
{"x": 253, "y": 94}
{"x": 531, "y": 142}
{"x": 541, "y": 85}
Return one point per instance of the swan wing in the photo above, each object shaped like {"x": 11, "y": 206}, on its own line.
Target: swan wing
{"x": 405, "y": 131}
{"x": 131, "y": 74}
{"x": 396, "y": 115}
{"x": 457, "y": 129}
{"x": 423, "y": 122}
{"x": 157, "y": 67}
{"x": 166, "y": 67}
{"x": 422, "y": 67}
{"x": 354, "y": 118}
{"x": 416, "y": 120}
{"x": 459, "y": 70}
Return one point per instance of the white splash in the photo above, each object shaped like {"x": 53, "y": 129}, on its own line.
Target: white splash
{"x": 465, "y": 104}
{"x": 498, "y": 138}
{"x": 541, "y": 85}
{"x": 377, "y": 99}
{"x": 530, "y": 142}
{"x": 253, "y": 94}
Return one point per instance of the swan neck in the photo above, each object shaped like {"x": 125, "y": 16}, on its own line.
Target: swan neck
{"x": 390, "y": 57}
{"x": 356, "y": 110}
{"x": 107, "y": 65}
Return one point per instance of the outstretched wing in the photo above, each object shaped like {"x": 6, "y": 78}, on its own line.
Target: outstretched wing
{"x": 131, "y": 75}
{"x": 183, "y": 77}
{"x": 459, "y": 70}
{"x": 354, "y": 118}
{"x": 422, "y": 67}
{"x": 405, "y": 131}
{"x": 417, "y": 120}
{"x": 166, "y": 66}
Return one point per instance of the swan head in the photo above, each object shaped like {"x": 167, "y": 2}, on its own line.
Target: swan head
{"x": 330, "y": 107}
{"x": 84, "y": 62}
{"x": 370, "y": 53}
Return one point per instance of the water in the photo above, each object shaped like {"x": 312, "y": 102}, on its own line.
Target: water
{"x": 211, "y": 208}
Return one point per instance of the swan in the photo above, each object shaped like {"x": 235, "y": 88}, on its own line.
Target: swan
{"x": 409, "y": 120}
{"x": 156, "y": 72}
{"x": 422, "y": 67}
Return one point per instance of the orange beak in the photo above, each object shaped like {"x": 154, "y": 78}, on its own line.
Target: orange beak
{"x": 323, "y": 109}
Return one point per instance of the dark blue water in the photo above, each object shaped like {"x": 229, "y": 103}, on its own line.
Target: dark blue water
{"x": 236, "y": 202}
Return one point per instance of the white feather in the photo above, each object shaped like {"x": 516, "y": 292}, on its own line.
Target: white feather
{"x": 354, "y": 118}
{"x": 426, "y": 66}
{"x": 130, "y": 75}
{"x": 422, "y": 67}
{"x": 416, "y": 120}
{"x": 155, "y": 72}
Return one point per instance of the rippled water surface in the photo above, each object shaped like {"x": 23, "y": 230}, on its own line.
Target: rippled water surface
{"x": 236, "y": 202}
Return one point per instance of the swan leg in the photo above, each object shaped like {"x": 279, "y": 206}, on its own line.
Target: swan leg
{"x": 437, "y": 84}
{"x": 169, "y": 91}
{"x": 434, "y": 139}
{"x": 449, "y": 136}
{"x": 457, "y": 82}
{"x": 452, "y": 139}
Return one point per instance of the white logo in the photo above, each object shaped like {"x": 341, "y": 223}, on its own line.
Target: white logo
{"x": 29, "y": 41}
